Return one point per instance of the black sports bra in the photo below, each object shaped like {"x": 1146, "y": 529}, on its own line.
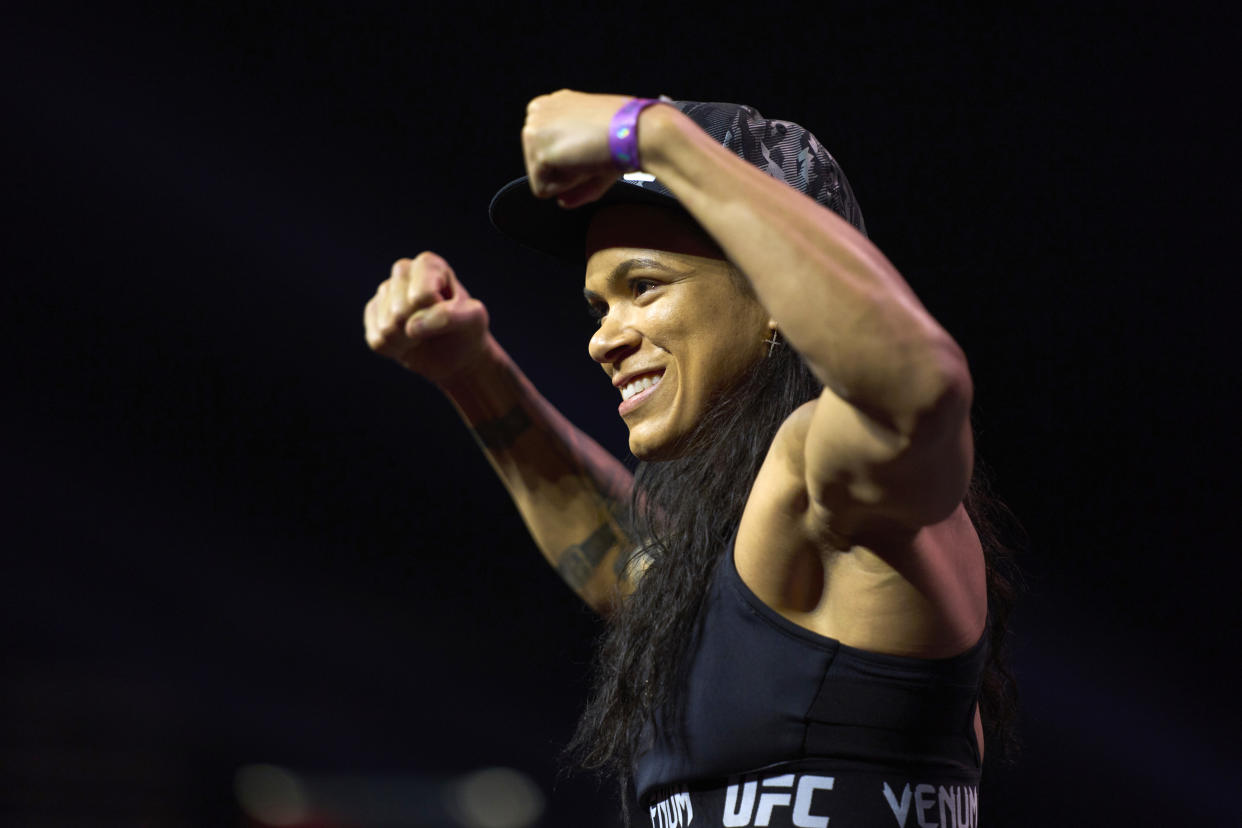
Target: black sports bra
{"x": 791, "y": 727}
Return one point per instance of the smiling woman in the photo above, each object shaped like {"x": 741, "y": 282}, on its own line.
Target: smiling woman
{"x": 807, "y": 616}
{"x": 659, "y": 336}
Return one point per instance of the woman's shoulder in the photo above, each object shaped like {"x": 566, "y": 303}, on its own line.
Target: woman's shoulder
{"x": 777, "y": 545}
{"x": 779, "y": 502}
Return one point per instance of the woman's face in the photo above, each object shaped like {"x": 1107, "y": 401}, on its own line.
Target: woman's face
{"x": 675, "y": 324}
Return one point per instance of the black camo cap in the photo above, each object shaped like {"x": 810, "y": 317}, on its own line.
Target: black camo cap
{"x": 782, "y": 149}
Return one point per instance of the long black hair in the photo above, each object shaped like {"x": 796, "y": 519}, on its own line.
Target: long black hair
{"x": 686, "y": 511}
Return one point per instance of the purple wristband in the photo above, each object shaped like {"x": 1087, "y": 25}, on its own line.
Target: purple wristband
{"x": 623, "y": 133}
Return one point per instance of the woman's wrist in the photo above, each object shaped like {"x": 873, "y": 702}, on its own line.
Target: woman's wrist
{"x": 658, "y": 127}
{"x": 483, "y": 384}
{"x": 680, "y": 155}
{"x": 623, "y": 134}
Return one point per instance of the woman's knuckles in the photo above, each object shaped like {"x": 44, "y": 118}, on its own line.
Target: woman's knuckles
{"x": 430, "y": 320}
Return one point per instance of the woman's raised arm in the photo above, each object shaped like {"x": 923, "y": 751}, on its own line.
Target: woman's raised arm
{"x": 568, "y": 489}
{"x": 890, "y": 439}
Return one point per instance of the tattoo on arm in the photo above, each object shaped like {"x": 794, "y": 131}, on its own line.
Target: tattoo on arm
{"x": 497, "y": 435}
{"x": 579, "y": 562}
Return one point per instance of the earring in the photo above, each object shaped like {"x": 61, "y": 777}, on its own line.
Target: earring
{"x": 773, "y": 342}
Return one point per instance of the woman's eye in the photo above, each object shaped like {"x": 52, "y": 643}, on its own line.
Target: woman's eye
{"x": 641, "y": 286}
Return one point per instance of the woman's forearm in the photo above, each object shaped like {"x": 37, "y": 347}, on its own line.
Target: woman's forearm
{"x": 568, "y": 489}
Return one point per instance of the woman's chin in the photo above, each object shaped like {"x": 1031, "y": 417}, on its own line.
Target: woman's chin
{"x": 650, "y": 449}
{"x": 641, "y": 450}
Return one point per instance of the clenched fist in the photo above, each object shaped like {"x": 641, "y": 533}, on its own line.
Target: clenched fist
{"x": 424, "y": 319}
{"x": 565, "y": 142}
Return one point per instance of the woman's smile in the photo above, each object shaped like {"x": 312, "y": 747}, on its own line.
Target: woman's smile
{"x": 638, "y": 390}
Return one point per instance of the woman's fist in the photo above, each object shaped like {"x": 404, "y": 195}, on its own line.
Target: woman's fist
{"x": 565, "y": 143}
{"x": 424, "y": 319}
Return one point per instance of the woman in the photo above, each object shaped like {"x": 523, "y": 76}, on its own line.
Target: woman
{"x": 799, "y": 598}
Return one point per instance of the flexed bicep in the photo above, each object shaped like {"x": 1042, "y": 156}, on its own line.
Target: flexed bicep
{"x": 862, "y": 471}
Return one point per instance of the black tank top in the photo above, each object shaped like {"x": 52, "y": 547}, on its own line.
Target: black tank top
{"x": 780, "y": 726}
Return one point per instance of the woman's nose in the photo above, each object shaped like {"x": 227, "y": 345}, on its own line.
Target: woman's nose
{"x": 613, "y": 340}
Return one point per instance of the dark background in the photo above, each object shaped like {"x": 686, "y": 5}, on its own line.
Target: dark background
{"x": 232, "y": 535}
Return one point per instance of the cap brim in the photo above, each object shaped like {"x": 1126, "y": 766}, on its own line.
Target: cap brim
{"x": 542, "y": 224}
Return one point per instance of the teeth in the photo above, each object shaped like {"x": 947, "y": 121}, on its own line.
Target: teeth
{"x": 640, "y": 384}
